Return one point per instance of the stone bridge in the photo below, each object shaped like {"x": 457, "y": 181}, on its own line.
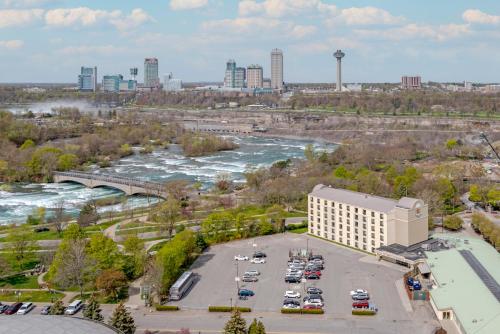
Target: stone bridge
{"x": 127, "y": 185}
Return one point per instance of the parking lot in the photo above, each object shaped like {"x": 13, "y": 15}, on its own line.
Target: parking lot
{"x": 343, "y": 272}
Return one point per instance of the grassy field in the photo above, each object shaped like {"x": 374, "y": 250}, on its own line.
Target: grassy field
{"x": 138, "y": 230}
{"x": 19, "y": 282}
{"x": 30, "y": 296}
{"x": 299, "y": 230}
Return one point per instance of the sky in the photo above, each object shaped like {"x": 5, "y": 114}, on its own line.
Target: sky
{"x": 440, "y": 40}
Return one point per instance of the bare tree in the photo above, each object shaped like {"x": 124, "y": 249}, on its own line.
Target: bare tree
{"x": 167, "y": 214}
{"x": 60, "y": 217}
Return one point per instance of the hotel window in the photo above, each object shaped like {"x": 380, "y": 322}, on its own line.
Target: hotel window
{"x": 340, "y": 233}
{"x": 373, "y": 214}
{"x": 356, "y": 224}
{"x": 348, "y": 214}
{"x": 348, "y": 208}
{"x": 364, "y": 211}
{"x": 364, "y": 247}
{"x": 325, "y": 235}
{"x": 348, "y": 228}
{"x": 311, "y": 217}
{"x": 317, "y": 233}
{"x": 356, "y": 230}
{"x": 373, "y": 228}
{"x": 373, "y": 243}
{"x": 356, "y": 210}
{"x": 348, "y": 235}
{"x": 381, "y": 216}
{"x": 356, "y": 244}
{"x": 381, "y": 238}
{"x": 312, "y": 205}
{"x": 340, "y": 239}
{"x": 381, "y": 231}
{"x": 325, "y": 228}
{"x": 373, "y": 220}
{"x": 333, "y": 204}
{"x": 364, "y": 233}
{"x": 325, "y": 215}
{"x": 317, "y": 207}
{"x": 340, "y": 220}
{"x": 312, "y": 224}
{"x": 364, "y": 240}
{"x": 318, "y": 226}
{"x": 381, "y": 223}
{"x": 356, "y": 237}
{"x": 340, "y": 206}
{"x": 317, "y": 200}
{"x": 333, "y": 237}
{"x": 364, "y": 219}
{"x": 373, "y": 235}
{"x": 318, "y": 219}
{"x": 340, "y": 213}
{"x": 333, "y": 211}
{"x": 333, "y": 224}
{"x": 364, "y": 226}
{"x": 356, "y": 217}
{"x": 340, "y": 226}
{"x": 373, "y": 250}
{"x": 325, "y": 202}
{"x": 348, "y": 221}
{"x": 333, "y": 230}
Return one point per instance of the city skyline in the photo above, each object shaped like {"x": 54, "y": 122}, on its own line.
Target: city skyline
{"x": 49, "y": 40}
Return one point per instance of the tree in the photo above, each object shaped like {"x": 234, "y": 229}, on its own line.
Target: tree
{"x": 134, "y": 247}
{"x": 218, "y": 225}
{"x": 254, "y": 327}
{"x": 104, "y": 252}
{"x": 93, "y": 309}
{"x": 21, "y": 245}
{"x": 309, "y": 153}
{"x": 236, "y": 325}
{"x": 453, "y": 223}
{"x": 122, "y": 320}
{"x": 59, "y": 217}
{"x": 276, "y": 215}
{"x": 265, "y": 227}
{"x": 201, "y": 243}
{"x": 111, "y": 281}
{"x": 88, "y": 214}
{"x": 168, "y": 214}
{"x": 67, "y": 162}
{"x": 57, "y": 308}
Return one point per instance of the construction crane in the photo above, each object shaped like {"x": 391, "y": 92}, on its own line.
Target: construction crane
{"x": 483, "y": 135}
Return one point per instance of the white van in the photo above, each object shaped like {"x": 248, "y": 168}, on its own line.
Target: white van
{"x": 74, "y": 307}
{"x": 25, "y": 308}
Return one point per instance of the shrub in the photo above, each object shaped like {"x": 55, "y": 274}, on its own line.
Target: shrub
{"x": 363, "y": 312}
{"x": 453, "y": 223}
{"x": 302, "y": 311}
{"x": 166, "y": 307}
{"x": 228, "y": 309}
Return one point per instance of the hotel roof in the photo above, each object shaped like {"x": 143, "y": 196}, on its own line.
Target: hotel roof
{"x": 371, "y": 202}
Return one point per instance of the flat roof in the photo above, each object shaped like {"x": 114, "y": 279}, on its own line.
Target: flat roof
{"x": 371, "y": 202}
{"x": 460, "y": 286}
{"x": 51, "y": 324}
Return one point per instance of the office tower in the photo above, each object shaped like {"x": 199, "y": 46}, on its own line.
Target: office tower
{"x": 266, "y": 83}
{"x": 111, "y": 83}
{"x": 170, "y": 84}
{"x": 277, "y": 69}
{"x": 411, "y": 82}
{"x": 339, "y": 55}
{"x": 230, "y": 74}
{"x": 87, "y": 80}
{"x": 151, "y": 78}
{"x": 239, "y": 77}
{"x": 255, "y": 75}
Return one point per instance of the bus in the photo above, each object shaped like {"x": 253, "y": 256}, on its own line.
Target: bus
{"x": 181, "y": 286}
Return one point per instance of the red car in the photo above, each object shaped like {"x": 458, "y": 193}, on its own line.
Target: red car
{"x": 360, "y": 304}
{"x": 13, "y": 308}
{"x": 309, "y": 272}
{"x": 312, "y": 307}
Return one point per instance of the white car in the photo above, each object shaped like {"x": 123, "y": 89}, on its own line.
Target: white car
{"x": 291, "y": 306}
{"x": 74, "y": 307}
{"x": 258, "y": 260}
{"x": 355, "y": 292}
{"x": 252, "y": 273}
{"x": 241, "y": 258}
{"x": 292, "y": 294}
{"x": 25, "y": 308}
{"x": 315, "y": 302}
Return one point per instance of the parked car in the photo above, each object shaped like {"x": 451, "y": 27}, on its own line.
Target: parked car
{"x": 312, "y": 296}
{"x": 314, "y": 266}
{"x": 312, "y": 276}
{"x": 258, "y": 260}
{"x": 416, "y": 285}
{"x": 314, "y": 302}
{"x": 12, "y": 309}
{"x": 291, "y": 306}
{"x": 294, "y": 271}
{"x": 355, "y": 292}
{"x": 292, "y": 294}
{"x": 74, "y": 307}
{"x": 316, "y": 257}
{"x": 245, "y": 293}
{"x": 361, "y": 296}
{"x": 3, "y": 308}
{"x": 251, "y": 272}
{"x": 241, "y": 258}
{"x": 312, "y": 307}
{"x": 46, "y": 310}
{"x": 290, "y": 301}
{"x": 249, "y": 278}
{"x": 314, "y": 290}
{"x": 409, "y": 281}
{"x": 41, "y": 229}
{"x": 310, "y": 272}
{"x": 361, "y": 304}
{"x": 259, "y": 254}
{"x": 25, "y": 308}
{"x": 292, "y": 279}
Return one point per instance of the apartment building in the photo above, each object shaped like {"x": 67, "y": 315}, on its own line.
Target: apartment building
{"x": 365, "y": 221}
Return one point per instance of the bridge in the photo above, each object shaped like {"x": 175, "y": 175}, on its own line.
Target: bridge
{"x": 128, "y": 185}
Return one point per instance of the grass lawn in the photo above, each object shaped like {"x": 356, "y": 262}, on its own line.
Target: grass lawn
{"x": 30, "y": 296}
{"x": 299, "y": 230}
{"x": 100, "y": 227}
{"x": 138, "y": 230}
{"x": 158, "y": 246}
{"x": 19, "y": 282}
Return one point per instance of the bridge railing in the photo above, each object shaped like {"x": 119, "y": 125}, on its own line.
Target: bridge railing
{"x": 114, "y": 179}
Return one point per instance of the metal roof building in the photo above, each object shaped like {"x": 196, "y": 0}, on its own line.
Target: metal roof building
{"x": 466, "y": 286}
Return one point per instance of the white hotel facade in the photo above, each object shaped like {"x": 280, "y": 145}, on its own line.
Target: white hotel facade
{"x": 365, "y": 221}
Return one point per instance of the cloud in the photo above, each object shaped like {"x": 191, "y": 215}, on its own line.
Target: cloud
{"x": 11, "y": 45}
{"x": 477, "y": 16}
{"x": 137, "y": 17}
{"x": 416, "y": 31}
{"x": 106, "y": 50}
{"x": 187, "y": 4}
{"x": 84, "y": 16}
{"x": 368, "y": 16}
{"x": 15, "y": 17}
{"x": 25, "y": 3}
{"x": 281, "y": 8}
{"x": 299, "y": 31}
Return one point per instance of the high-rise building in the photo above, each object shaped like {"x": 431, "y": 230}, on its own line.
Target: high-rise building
{"x": 239, "y": 77}
{"x": 277, "y": 69}
{"x": 255, "y": 76}
{"x": 87, "y": 80}
{"x": 111, "y": 83}
{"x": 365, "y": 221}
{"x": 411, "y": 82}
{"x": 230, "y": 74}
{"x": 128, "y": 85}
{"x": 266, "y": 83}
{"x": 151, "y": 78}
{"x": 170, "y": 84}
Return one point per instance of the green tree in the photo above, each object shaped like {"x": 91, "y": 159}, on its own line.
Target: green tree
{"x": 168, "y": 213}
{"x": 475, "y": 193}
{"x": 66, "y": 162}
{"x": 493, "y": 196}
{"x": 43, "y": 162}
{"x": 28, "y": 143}
{"x": 57, "y": 308}
{"x": 217, "y": 226}
{"x": 276, "y": 215}
{"x": 453, "y": 223}
{"x": 342, "y": 173}
{"x": 88, "y": 214}
{"x": 309, "y": 153}
{"x": 111, "y": 281}
{"x": 451, "y": 144}
{"x": 134, "y": 247}
{"x": 93, "y": 309}
{"x": 235, "y": 325}
{"x": 122, "y": 320}
{"x": 201, "y": 243}
{"x": 104, "y": 252}
{"x": 265, "y": 226}
{"x": 447, "y": 190}
{"x": 21, "y": 246}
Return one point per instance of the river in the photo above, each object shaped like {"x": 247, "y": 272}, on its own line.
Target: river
{"x": 161, "y": 165}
